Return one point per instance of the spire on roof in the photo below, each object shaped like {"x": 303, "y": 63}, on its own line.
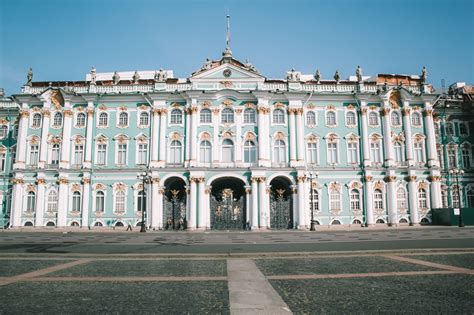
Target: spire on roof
{"x": 227, "y": 54}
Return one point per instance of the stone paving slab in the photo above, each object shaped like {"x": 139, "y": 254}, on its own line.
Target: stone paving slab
{"x": 15, "y": 267}
{"x": 458, "y": 260}
{"x": 333, "y": 265}
{"x": 134, "y": 268}
{"x": 424, "y": 294}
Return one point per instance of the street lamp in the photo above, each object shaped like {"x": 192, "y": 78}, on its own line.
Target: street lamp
{"x": 456, "y": 172}
{"x": 143, "y": 176}
{"x": 312, "y": 176}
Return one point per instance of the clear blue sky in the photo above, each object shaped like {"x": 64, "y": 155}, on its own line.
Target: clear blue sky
{"x": 61, "y": 40}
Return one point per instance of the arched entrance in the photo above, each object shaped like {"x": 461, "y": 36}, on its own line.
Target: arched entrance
{"x": 281, "y": 204}
{"x": 174, "y": 208}
{"x": 228, "y": 210}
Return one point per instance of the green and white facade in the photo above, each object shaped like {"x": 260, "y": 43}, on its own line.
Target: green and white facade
{"x": 225, "y": 148}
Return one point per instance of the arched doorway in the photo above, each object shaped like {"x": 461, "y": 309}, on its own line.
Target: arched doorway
{"x": 174, "y": 209}
{"x": 281, "y": 204}
{"x": 228, "y": 210}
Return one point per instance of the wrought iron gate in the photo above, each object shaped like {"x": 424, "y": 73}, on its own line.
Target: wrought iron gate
{"x": 174, "y": 216}
{"x": 227, "y": 213}
{"x": 280, "y": 210}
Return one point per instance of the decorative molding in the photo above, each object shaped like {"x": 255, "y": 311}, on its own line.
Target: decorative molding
{"x": 63, "y": 180}
{"x": 411, "y": 178}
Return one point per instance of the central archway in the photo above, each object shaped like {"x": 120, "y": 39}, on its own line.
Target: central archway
{"x": 174, "y": 210}
{"x": 281, "y": 204}
{"x": 228, "y": 204}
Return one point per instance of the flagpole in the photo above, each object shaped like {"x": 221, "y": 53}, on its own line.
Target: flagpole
{"x": 228, "y": 31}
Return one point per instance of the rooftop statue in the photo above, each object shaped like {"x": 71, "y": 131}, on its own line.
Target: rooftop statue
{"x": 207, "y": 65}
{"x": 424, "y": 75}
{"x": 250, "y": 66}
{"x": 293, "y": 76}
{"x": 93, "y": 76}
{"x": 29, "y": 77}
{"x": 317, "y": 76}
{"x": 337, "y": 77}
{"x": 116, "y": 78}
{"x": 359, "y": 74}
{"x": 136, "y": 77}
{"x": 160, "y": 76}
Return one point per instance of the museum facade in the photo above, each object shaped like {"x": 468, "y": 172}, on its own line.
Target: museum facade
{"x": 227, "y": 148}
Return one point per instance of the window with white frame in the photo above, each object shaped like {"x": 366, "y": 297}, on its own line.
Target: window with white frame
{"x": 57, "y": 119}
{"x": 422, "y": 201}
{"x": 31, "y": 202}
{"x": 249, "y": 116}
{"x": 176, "y": 117}
{"x": 332, "y": 153}
{"x": 395, "y": 118}
{"x": 175, "y": 152}
{"x": 142, "y": 153}
{"x": 205, "y": 152}
{"x": 452, "y": 157}
{"x": 52, "y": 201}
{"x": 315, "y": 200}
{"x": 470, "y": 197}
{"x": 455, "y": 196}
{"x": 141, "y": 201}
{"x": 34, "y": 152}
{"x": 449, "y": 129}
{"x": 399, "y": 152}
{"x": 373, "y": 119}
{"x": 36, "y": 121}
{"x": 227, "y": 150}
{"x": 55, "y": 154}
{"x": 144, "y": 119}
{"x": 401, "y": 200}
{"x": 463, "y": 130}
{"x": 80, "y": 120}
{"x": 418, "y": 151}
{"x": 227, "y": 116}
{"x": 101, "y": 158}
{"x": 375, "y": 151}
{"x": 99, "y": 201}
{"x": 335, "y": 200}
{"x": 3, "y": 131}
{"x": 250, "y": 152}
{"x": 312, "y": 153}
{"x": 279, "y": 152}
{"x": 444, "y": 196}
{"x": 439, "y": 151}
{"x": 352, "y": 152}
{"x": 350, "y": 118}
{"x": 416, "y": 119}
{"x": 355, "y": 200}
{"x": 205, "y": 117}
{"x": 103, "y": 119}
{"x": 330, "y": 118}
{"x": 120, "y": 201}
{"x": 78, "y": 154}
{"x": 122, "y": 154}
{"x": 123, "y": 119}
{"x": 466, "y": 156}
{"x": 310, "y": 118}
{"x": 378, "y": 200}
{"x": 76, "y": 201}
{"x": 278, "y": 116}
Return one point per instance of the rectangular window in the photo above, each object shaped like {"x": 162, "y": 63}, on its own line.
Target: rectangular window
{"x": 34, "y": 150}
{"x": 332, "y": 153}
{"x": 352, "y": 153}
{"x": 142, "y": 153}
{"x": 466, "y": 159}
{"x": 375, "y": 152}
{"x": 452, "y": 158}
{"x": 78, "y": 154}
{"x": 101, "y": 154}
{"x": 2, "y": 161}
{"x": 122, "y": 154}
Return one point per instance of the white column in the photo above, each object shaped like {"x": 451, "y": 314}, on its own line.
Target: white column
{"x": 193, "y": 140}
{"x": 248, "y": 201}
{"x": 89, "y": 131}
{"x": 192, "y": 204}
{"x": 188, "y": 136}
{"x": 365, "y": 135}
{"x": 407, "y": 129}
{"x": 207, "y": 205}
{"x": 387, "y": 135}
{"x": 302, "y": 224}
{"x": 412, "y": 197}
{"x": 44, "y": 136}
{"x": 430, "y": 136}
{"x": 21, "y": 139}
{"x": 162, "y": 145}
{"x": 392, "y": 200}
{"x": 238, "y": 136}
{"x": 201, "y": 202}
{"x": 159, "y": 207}
{"x": 17, "y": 207}
{"x": 267, "y": 204}
{"x": 40, "y": 192}
{"x": 294, "y": 198}
{"x": 436, "y": 201}
{"x": 369, "y": 203}
{"x": 66, "y": 140}
{"x": 215, "y": 137}
{"x": 86, "y": 187}
{"x": 263, "y": 136}
{"x": 300, "y": 136}
{"x": 255, "y": 214}
{"x": 291, "y": 122}
{"x": 62, "y": 200}
{"x": 154, "y": 202}
{"x": 155, "y": 134}
{"x": 262, "y": 205}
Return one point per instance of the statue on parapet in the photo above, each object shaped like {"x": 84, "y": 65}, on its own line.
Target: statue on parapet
{"x": 424, "y": 75}
{"x": 250, "y": 66}
{"x": 161, "y": 75}
{"x": 337, "y": 77}
{"x": 136, "y": 77}
{"x": 116, "y": 78}
{"x": 359, "y": 74}
{"x": 29, "y": 77}
{"x": 317, "y": 76}
{"x": 93, "y": 76}
{"x": 293, "y": 75}
{"x": 207, "y": 64}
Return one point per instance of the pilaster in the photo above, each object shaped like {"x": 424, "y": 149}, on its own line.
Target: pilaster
{"x": 17, "y": 207}
{"x": 40, "y": 194}
{"x": 86, "y": 188}
{"x": 44, "y": 135}
{"x": 365, "y": 134}
{"x": 430, "y": 136}
{"x": 255, "y": 212}
{"x": 407, "y": 128}
{"x": 62, "y": 200}
{"x": 369, "y": 201}
{"x": 89, "y": 131}
{"x": 412, "y": 199}
{"x": 301, "y": 179}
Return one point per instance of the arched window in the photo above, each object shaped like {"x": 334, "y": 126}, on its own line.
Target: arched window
{"x": 378, "y": 200}
{"x": 176, "y": 117}
{"x": 249, "y": 116}
{"x": 470, "y": 198}
{"x": 227, "y": 151}
{"x": 395, "y": 117}
{"x": 330, "y": 118}
{"x": 279, "y": 152}
{"x": 80, "y": 120}
{"x": 175, "y": 152}
{"x": 418, "y": 150}
{"x": 98, "y": 224}
{"x": 103, "y": 119}
{"x": 36, "y": 121}
{"x": 55, "y": 154}
{"x": 373, "y": 119}
{"x": 205, "y": 152}
{"x": 250, "y": 152}
{"x": 315, "y": 199}
{"x": 100, "y": 201}
{"x": 312, "y": 155}
{"x": 310, "y": 118}
{"x": 416, "y": 119}
{"x": 205, "y": 116}
{"x": 144, "y": 119}
{"x": 355, "y": 200}
{"x": 141, "y": 201}
{"x": 76, "y": 201}
{"x": 31, "y": 202}
{"x": 52, "y": 201}
{"x": 399, "y": 152}
{"x": 401, "y": 200}
{"x": 123, "y": 119}
{"x": 3, "y": 131}
{"x": 375, "y": 151}
{"x": 350, "y": 118}
{"x": 335, "y": 203}
{"x": 227, "y": 116}
{"x": 120, "y": 201}
{"x": 422, "y": 202}
{"x": 57, "y": 119}
{"x": 278, "y": 116}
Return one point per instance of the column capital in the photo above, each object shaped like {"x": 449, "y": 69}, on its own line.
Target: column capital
{"x": 301, "y": 179}
{"x": 411, "y": 178}
{"x": 46, "y": 112}
{"x": 368, "y": 178}
{"x": 406, "y": 111}
{"x": 16, "y": 181}
{"x": 428, "y": 112}
{"x": 390, "y": 179}
{"x": 63, "y": 180}
{"x": 40, "y": 181}
{"x": 435, "y": 178}
{"x": 86, "y": 180}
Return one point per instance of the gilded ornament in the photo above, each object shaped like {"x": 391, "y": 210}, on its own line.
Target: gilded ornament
{"x": 24, "y": 113}
{"x": 56, "y": 98}
{"x": 378, "y": 185}
{"x": 238, "y": 111}
{"x": 301, "y": 179}
{"x": 215, "y": 111}
{"x": 63, "y": 180}
{"x": 17, "y": 181}
{"x": 390, "y": 179}
{"x": 206, "y": 104}
{"x": 175, "y": 136}
{"x": 76, "y": 187}
{"x": 86, "y": 180}
{"x": 411, "y": 178}
{"x": 227, "y": 102}
{"x": 368, "y": 178}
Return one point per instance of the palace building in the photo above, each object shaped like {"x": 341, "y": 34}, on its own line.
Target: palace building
{"x": 228, "y": 148}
